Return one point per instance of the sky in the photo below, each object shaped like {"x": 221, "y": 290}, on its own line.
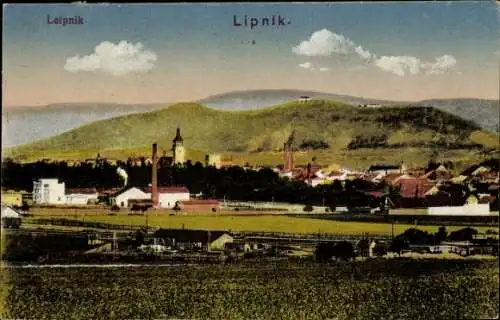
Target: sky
{"x": 184, "y": 52}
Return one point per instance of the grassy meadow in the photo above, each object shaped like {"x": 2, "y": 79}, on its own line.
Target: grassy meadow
{"x": 372, "y": 289}
{"x": 237, "y": 222}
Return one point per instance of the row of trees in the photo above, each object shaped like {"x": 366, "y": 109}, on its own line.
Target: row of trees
{"x": 232, "y": 183}
{"x": 345, "y": 250}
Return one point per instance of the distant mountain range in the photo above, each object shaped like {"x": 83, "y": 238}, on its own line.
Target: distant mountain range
{"x": 22, "y": 125}
{"x": 483, "y": 112}
{"x": 257, "y": 99}
{"x": 319, "y": 124}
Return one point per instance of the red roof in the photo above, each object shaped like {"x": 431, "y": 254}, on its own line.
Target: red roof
{"x": 81, "y": 191}
{"x": 178, "y": 189}
{"x": 391, "y": 177}
{"x": 201, "y": 202}
{"x": 335, "y": 174}
{"x": 105, "y": 192}
{"x": 376, "y": 194}
{"x": 413, "y": 187}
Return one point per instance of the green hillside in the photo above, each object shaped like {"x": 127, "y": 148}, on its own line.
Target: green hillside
{"x": 321, "y": 127}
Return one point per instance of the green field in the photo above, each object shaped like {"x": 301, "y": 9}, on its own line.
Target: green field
{"x": 274, "y": 223}
{"x": 379, "y": 289}
{"x": 411, "y": 134}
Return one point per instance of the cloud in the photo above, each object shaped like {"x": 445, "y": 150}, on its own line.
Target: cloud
{"x": 115, "y": 59}
{"x": 327, "y": 43}
{"x": 306, "y": 65}
{"x": 311, "y": 67}
{"x": 441, "y": 65}
{"x": 399, "y": 65}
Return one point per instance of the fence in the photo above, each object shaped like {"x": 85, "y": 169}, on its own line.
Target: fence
{"x": 278, "y": 206}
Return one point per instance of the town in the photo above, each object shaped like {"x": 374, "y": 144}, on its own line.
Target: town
{"x": 171, "y": 186}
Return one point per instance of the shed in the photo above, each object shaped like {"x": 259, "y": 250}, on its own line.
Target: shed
{"x": 122, "y": 197}
{"x": 194, "y": 239}
{"x": 10, "y": 218}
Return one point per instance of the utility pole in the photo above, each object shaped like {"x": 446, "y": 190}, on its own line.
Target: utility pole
{"x": 208, "y": 242}
{"x": 392, "y": 229}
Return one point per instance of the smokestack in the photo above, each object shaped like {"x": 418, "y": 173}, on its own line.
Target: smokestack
{"x": 154, "y": 180}
{"x": 309, "y": 174}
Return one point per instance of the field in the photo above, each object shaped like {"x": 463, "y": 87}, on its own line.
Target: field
{"x": 265, "y": 223}
{"x": 380, "y": 289}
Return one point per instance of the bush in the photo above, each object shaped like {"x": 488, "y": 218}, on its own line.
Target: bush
{"x": 399, "y": 244}
{"x": 25, "y": 206}
{"x": 308, "y": 208}
{"x": 115, "y": 208}
{"x": 325, "y": 251}
{"x": 214, "y": 210}
{"x": 314, "y": 144}
{"x": 465, "y": 234}
{"x": 344, "y": 250}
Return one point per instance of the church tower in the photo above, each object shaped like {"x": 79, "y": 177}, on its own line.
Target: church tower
{"x": 288, "y": 153}
{"x": 178, "y": 148}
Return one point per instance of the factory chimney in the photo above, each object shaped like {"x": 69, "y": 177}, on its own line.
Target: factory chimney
{"x": 309, "y": 174}
{"x": 154, "y": 180}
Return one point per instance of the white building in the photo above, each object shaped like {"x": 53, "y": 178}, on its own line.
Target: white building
{"x": 48, "y": 191}
{"x": 81, "y": 196}
{"x": 465, "y": 210}
{"x": 304, "y": 99}
{"x": 168, "y": 196}
{"x": 122, "y": 197}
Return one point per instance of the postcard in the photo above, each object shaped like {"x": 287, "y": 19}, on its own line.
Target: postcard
{"x": 250, "y": 161}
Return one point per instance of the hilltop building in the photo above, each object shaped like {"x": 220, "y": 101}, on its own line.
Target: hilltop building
{"x": 288, "y": 153}
{"x": 304, "y": 99}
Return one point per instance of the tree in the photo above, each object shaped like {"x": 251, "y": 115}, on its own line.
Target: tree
{"x": 25, "y": 206}
{"x": 324, "y": 251}
{"x": 177, "y": 207}
{"x": 139, "y": 237}
{"x": 344, "y": 250}
{"x": 363, "y": 246}
{"x": 398, "y": 244}
{"x": 441, "y": 235}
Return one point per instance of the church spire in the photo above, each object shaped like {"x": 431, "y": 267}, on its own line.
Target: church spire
{"x": 178, "y": 137}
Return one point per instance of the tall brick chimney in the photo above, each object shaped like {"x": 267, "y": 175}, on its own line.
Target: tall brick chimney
{"x": 309, "y": 174}
{"x": 154, "y": 180}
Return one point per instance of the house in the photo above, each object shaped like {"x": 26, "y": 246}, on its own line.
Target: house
{"x": 121, "y": 198}
{"x": 438, "y": 174}
{"x": 81, "y": 196}
{"x": 412, "y": 191}
{"x": 187, "y": 239}
{"x": 304, "y": 99}
{"x": 385, "y": 169}
{"x": 168, "y": 196}
{"x": 48, "y": 191}
{"x": 10, "y": 218}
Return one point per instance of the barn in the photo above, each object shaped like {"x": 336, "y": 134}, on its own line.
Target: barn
{"x": 121, "y": 198}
